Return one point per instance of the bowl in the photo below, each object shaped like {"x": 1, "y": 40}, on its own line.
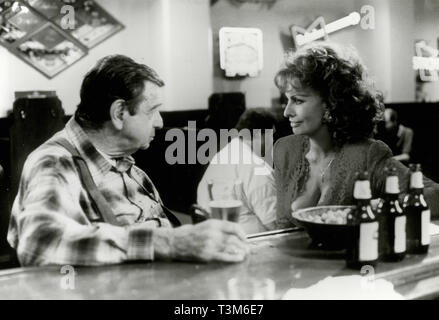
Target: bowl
{"x": 326, "y": 225}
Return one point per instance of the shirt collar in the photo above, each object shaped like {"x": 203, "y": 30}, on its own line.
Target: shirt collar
{"x": 98, "y": 164}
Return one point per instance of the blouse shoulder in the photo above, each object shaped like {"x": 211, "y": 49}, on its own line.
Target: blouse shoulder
{"x": 371, "y": 147}
{"x": 287, "y": 148}
{"x": 378, "y": 150}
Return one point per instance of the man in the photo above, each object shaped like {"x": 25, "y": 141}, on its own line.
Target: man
{"x": 398, "y": 137}
{"x": 242, "y": 160}
{"x": 56, "y": 220}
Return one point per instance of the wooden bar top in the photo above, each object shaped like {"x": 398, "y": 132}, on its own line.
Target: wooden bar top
{"x": 287, "y": 258}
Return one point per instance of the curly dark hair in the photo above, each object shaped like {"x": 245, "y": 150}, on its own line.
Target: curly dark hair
{"x": 337, "y": 74}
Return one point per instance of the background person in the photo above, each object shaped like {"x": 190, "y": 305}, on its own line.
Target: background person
{"x": 399, "y": 138}
{"x": 258, "y": 193}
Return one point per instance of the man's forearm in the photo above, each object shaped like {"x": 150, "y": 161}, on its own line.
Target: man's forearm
{"x": 162, "y": 242}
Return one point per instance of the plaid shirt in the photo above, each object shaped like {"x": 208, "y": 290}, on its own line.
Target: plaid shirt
{"x": 53, "y": 220}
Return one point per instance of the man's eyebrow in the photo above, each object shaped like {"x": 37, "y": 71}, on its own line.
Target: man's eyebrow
{"x": 155, "y": 106}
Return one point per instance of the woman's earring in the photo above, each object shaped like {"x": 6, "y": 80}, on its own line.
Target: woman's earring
{"x": 327, "y": 118}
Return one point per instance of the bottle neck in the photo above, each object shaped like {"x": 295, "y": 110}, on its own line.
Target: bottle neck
{"x": 392, "y": 185}
{"x": 416, "y": 181}
{"x": 416, "y": 191}
{"x": 363, "y": 202}
{"x": 391, "y": 196}
{"x": 362, "y": 190}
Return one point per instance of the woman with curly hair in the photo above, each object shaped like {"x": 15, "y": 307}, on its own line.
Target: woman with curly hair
{"x": 333, "y": 108}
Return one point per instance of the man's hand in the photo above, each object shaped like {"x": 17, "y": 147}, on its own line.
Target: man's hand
{"x": 211, "y": 240}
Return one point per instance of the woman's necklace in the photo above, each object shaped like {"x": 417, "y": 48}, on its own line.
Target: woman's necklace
{"x": 323, "y": 172}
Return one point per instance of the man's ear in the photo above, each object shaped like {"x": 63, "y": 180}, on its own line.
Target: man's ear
{"x": 117, "y": 110}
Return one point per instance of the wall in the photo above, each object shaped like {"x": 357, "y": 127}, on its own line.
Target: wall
{"x": 185, "y": 41}
{"x": 427, "y": 28}
{"x": 179, "y": 38}
{"x": 402, "y": 39}
{"x": 175, "y": 49}
{"x": 386, "y": 50}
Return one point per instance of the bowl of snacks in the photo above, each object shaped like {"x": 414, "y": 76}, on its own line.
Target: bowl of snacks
{"x": 326, "y": 225}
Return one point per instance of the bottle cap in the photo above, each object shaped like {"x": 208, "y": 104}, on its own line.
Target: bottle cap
{"x": 362, "y": 189}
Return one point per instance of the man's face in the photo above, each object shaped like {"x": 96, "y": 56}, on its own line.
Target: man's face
{"x": 140, "y": 127}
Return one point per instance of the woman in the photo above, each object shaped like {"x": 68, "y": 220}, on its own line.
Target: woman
{"x": 333, "y": 108}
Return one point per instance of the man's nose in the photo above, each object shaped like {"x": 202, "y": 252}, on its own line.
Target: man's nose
{"x": 158, "y": 121}
{"x": 289, "y": 110}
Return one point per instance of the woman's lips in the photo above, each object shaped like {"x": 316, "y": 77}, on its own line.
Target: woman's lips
{"x": 295, "y": 124}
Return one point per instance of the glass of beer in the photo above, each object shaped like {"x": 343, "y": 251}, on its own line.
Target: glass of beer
{"x": 225, "y": 199}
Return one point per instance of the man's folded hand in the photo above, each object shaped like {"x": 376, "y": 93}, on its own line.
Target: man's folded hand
{"x": 211, "y": 240}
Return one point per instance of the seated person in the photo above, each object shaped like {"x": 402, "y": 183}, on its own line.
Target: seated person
{"x": 398, "y": 137}
{"x": 56, "y": 217}
{"x": 258, "y": 192}
{"x": 333, "y": 108}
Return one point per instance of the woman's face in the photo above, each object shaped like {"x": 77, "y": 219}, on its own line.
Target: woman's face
{"x": 305, "y": 109}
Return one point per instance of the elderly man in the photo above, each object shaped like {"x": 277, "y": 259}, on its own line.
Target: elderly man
{"x": 81, "y": 200}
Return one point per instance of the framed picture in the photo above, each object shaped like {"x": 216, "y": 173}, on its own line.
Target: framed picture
{"x": 93, "y": 24}
{"x": 49, "y": 50}
{"x": 36, "y": 31}
{"x": 17, "y": 21}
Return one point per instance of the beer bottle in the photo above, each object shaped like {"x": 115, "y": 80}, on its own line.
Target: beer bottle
{"x": 362, "y": 246}
{"x": 392, "y": 221}
{"x": 418, "y": 214}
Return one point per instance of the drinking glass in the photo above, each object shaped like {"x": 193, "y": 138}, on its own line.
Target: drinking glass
{"x": 225, "y": 199}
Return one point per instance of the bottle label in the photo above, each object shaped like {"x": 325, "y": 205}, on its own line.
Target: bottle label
{"x": 362, "y": 189}
{"x": 400, "y": 236}
{"x": 425, "y": 225}
{"x": 368, "y": 241}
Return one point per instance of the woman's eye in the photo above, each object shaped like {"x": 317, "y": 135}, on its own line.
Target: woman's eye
{"x": 296, "y": 101}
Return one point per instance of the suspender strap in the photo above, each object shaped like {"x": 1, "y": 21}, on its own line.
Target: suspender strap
{"x": 171, "y": 217}
{"x": 87, "y": 181}
{"x": 149, "y": 188}
{"x": 96, "y": 196}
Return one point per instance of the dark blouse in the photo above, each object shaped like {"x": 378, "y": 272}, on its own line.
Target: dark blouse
{"x": 292, "y": 172}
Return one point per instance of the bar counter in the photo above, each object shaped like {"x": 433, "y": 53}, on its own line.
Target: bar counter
{"x": 285, "y": 257}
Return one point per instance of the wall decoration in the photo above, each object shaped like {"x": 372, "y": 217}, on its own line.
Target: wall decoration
{"x": 92, "y": 23}
{"x": 302, "y": 36}
{"x": 298, "y": 33}
{"x": 35, "y": 31}
{"x": 16, "y": 22}
{"x": 50, "y": 51}
{"x": 426, "y": 61}
{"x": 241, "y": 51}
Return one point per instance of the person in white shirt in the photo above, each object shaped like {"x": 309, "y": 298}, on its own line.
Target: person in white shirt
{"x": 243, "y": 159}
